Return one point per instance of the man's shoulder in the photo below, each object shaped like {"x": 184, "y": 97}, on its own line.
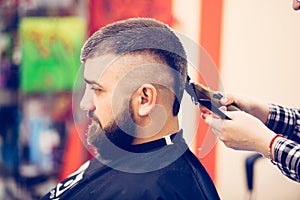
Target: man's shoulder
{"x": 185, "y": 178}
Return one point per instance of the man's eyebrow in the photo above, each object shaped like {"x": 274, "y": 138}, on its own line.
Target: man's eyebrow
{"x": 91, "y": 82}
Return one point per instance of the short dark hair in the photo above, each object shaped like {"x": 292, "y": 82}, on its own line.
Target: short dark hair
{"x": 138, "y": 35}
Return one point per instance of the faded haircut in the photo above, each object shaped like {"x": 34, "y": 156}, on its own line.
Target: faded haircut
{"x": 142, "y": 35}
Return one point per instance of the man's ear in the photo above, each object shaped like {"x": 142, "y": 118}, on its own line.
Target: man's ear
{"x": 147, "y": 96}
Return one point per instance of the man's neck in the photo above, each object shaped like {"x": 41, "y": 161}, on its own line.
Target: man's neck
{"x": 147, "y": 134}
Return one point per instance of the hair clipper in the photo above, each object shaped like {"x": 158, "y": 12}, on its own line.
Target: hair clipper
{"x": 208, "y": 98}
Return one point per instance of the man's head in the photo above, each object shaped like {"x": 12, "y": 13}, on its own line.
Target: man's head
{"x": 135, "y": 72}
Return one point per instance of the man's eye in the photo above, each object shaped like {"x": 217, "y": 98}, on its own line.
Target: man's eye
{"x": 95, "y": 89}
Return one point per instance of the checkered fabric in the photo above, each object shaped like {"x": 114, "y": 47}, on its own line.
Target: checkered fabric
{"x": 286, "y": 121}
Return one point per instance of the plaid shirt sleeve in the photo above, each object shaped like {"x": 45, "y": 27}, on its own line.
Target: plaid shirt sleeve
{"x": 286, "y": 121}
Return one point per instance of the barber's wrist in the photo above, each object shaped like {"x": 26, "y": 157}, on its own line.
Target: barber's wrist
{"x": 263, "y": 142}
{"x": 261, "y": 111}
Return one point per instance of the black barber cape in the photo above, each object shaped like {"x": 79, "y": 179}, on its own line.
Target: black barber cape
{"x": 161, "y": 169}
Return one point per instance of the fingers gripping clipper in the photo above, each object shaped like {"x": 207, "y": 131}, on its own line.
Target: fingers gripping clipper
{"x": 208, "y": 98}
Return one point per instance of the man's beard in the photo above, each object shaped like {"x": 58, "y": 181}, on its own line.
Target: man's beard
{"x": 119, "y": 132}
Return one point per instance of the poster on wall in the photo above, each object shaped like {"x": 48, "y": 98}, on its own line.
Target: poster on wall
{"x": 103, "y": 12}
{"x": 50, "y": 49}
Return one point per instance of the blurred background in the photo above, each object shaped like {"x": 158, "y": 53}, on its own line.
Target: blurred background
{"x": 254, "y": 47}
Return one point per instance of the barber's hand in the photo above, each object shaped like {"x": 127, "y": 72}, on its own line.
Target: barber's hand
{"x": 255, "y": 107}
{"x": 243, "y": 132}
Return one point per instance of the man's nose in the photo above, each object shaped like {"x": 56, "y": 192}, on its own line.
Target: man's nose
{"x": 87, "y": 102}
